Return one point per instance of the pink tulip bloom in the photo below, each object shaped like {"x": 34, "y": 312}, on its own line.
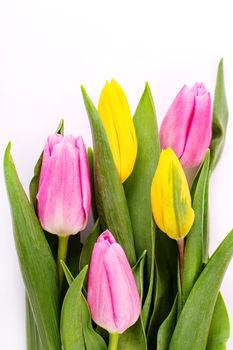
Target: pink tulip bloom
{"x": 112, "y": 292}
{"x": 64, "y": 195}
{"x": 186, "y": 127}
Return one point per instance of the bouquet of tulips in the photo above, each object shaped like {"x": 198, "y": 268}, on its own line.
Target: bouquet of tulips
{"x": 143, "y": 278}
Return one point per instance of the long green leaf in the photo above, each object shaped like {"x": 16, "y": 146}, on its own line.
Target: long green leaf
{"x": 199, "y": 307}
{"x": 137, "y": 186}
{"x": 33, "y": 339}
{"x": 67, "y": 272}
{"x": 166, "y": 329}
{"x": 133, "y": 338}
{"x": 91, "y": 167}
{"x": 166, "y": 283}
{"x": 219, "y": 118}
{"x": 76, "y": 327}
{"x": 37, "y": 264}
{"x": 138, "y": 271}
{"x": 193, "y": 259}
{"x": 149, "y": 296}
{"x": 219, "y": 328}
{"x": 110, "y": 197}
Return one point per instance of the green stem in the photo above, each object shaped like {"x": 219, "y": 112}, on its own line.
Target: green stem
{"x": 180, "y": 245}
{"x": 62, "y": 252}
{"x": 113, "y": 341}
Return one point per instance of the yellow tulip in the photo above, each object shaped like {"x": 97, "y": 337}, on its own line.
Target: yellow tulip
{"x": 170, "y": 197}
{"x": 115, "y": 114}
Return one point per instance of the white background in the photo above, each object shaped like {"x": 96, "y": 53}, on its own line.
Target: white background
{"x": 48, "y": 48}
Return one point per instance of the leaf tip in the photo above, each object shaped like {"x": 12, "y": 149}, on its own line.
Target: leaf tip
{"x": 221, "y": 61}
{"x": 147, "y": 88}
{"x": 7, "y": 152}
{"x": 83, "y": 90}
{"x": 60, "y": 128}
{"x": 8, "y": 147}
{"x": 85, "y": 268}
{"x": 221, "y": 68}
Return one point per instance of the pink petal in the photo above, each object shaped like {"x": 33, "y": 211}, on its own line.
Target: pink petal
{"x": 174, "y": 128}
{"x": 60, "y": 197}
{"x": 123, "y": 290}
{"x": 199, "y": 135}
{"x": 84, "y": 175}
{"x": 112, "y": 293}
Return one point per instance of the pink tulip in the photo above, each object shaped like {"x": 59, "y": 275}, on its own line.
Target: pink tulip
{"x": 186, "y": 127}
{"x": 64, "y": 195}
{"x": 112, "y": 293}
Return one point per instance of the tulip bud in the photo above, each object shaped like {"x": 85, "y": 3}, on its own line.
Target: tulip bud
{"x": 170, "y": 197}
{"x": 64, "y": 195}
{"x": 112, "y": 293}
{"x": 114, "y": 112}
{"x": 186, "y": 127}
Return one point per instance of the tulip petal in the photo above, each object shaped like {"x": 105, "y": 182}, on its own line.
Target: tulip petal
{"x": 60, "y": 196}
{"x": 170, "y": 197}
{"x": 175, "y": 126}
{"x": 124, "y": 294}
{"x": 52, "y": 141}
{"x": 125, "y": 131}
{"x": 115, "y": 114}
{"x": 99, "y": 296}
{"x": 112, "y": 292}
{"x": 199, "y": 133}
{"x": 84, "y": 175}
{"x": 105, "y": 110}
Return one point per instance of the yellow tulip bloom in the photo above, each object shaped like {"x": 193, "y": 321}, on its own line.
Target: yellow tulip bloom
{"x": 170, "y": 197}
{"x": 115, "y": 114}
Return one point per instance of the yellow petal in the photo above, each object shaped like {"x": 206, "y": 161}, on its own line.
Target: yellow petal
{"x": 170, "y": 197}
{"x": 115, "y": 114}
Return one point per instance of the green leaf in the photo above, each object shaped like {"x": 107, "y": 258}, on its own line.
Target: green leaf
{"x": 33, "y": 187}
{"x": 91, "y": 167}
{"x": 138, "y": 185}
{"x": 110, "y": 197}
{"x": 135, "y": 337}
{"x": 148, "y": 300}
{"x": 193, "y": 259}
{"x": 67, "y": 272}
{"x": 76, "y": 326}
{"x": 206, "y": 222}
{"x": 219, "y": 328}
{"x": 219, "y": 118}
{"x": 33, "y": 339}
{"x": 199, "y": 307}
{"x": 88, "y": 246}
{"x": 166, "y": 258}
{"x": 36, "y": 261}
{"x": 138, "y": 271}
{"x": 166, "y": 329}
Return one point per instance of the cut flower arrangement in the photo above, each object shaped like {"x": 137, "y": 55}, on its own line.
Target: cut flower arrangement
{"x": 143, "y": 277}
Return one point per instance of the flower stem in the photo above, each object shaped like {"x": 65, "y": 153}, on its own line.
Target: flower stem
{"x": 180, "y": 245}
{"x": 113, "y": 341}
{"x": 62, "y": 252}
